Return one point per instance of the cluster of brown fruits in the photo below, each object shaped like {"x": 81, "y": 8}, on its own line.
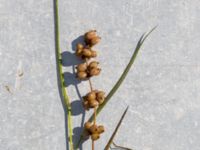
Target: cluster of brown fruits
{"x": 91, "y": 38}
{"x": 93, "y": 130}
{"x": 85, "y": 51}
{"x": 93, "y": 99}
{"x": 85, "y": 71}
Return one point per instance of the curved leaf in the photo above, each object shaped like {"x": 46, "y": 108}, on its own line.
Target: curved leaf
{"x": 124, "y": 74}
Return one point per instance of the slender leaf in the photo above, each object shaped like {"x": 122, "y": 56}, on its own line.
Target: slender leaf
{"x": 124, "y": 74}
{"x": 60, "y": 72}
{"x": 115, "y": 131}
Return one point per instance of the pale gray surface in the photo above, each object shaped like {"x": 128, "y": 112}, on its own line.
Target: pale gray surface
{"x": 162, "y": 89}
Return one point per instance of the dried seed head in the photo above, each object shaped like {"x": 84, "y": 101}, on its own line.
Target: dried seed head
{"x": 94, "y": 71}
{"x": 87, "y": 52}
{"x": 89, "y": 35}
{"x": 87, "y": 125}
{"x": 100, "y": 95}
{"x": 85, "y": 102}
{"x": 93, "y": 129}
{"x": 101, "y": 101}
{"x": 95, "y": 136}
{"x": 91, "y": 96}
{"x": 79, "y": 46}
{"x": 82, "y": 75}
{"x": 100, "y": 129}
{"x": 93, "y": 64}
{"x": 86, "y": 105}
{"x": 81, "y": 67}
{"x": 79, "y": 52}
{"x": 94, "y": 53}
{"x": 95, "y": 40}
{"x": 93, "y": 103}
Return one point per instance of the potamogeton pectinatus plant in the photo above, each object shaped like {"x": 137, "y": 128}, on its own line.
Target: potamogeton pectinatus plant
{"x": 85, "y": 71}
{"x": 95, "y": 99}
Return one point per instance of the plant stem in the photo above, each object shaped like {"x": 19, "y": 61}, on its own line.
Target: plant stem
{"x": 92, "y": 144}
{"x": 95, "y": 109}
{"x": 90, "y": 82}
{"x": 63, "y": 89}
{"x": 95, "y": 114}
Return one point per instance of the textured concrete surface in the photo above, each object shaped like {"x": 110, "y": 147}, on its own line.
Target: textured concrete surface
{"x": 162, "y": 88}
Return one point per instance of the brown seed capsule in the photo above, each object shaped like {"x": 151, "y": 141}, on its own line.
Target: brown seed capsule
{"x": 94, "y": 71}
{"x": 79, "y": 46}
{"x": 87, "y": 52}
{"x": 87, "y": 125}
{"x": 81, "y": 67}
{"x": 82, "y": 75}
{"x": 91, "y": 96}
{"x": 100, "y": 95}
{"x": 89, "y": 35}
{"x": 94, "y": 53}
{"x": 84, "y": 98}
{"x": 93, "y": 64}
{"x": 95, "y": 136}
{"x": 93, "y": 129}
{"x": 79, "y": 52}
{"x": 100, "y": 129}
{"x": 95, "y": 40}
{"x": 86, "y": 105}
{"x": 93, "y": 103}
{"x": 85, "y": 102}
{"x": 100, "y": 101}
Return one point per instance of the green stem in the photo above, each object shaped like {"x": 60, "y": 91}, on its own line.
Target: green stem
{"x": 64, "y": 90}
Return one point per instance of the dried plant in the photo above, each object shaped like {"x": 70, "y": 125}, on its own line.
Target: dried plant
{"x": 85, "y": 71}
{"x": 95, "y": 99}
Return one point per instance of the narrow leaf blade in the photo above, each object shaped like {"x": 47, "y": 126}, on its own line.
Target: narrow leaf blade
{"x": 148, "y": 34}
{"x": 124, "y": 74}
